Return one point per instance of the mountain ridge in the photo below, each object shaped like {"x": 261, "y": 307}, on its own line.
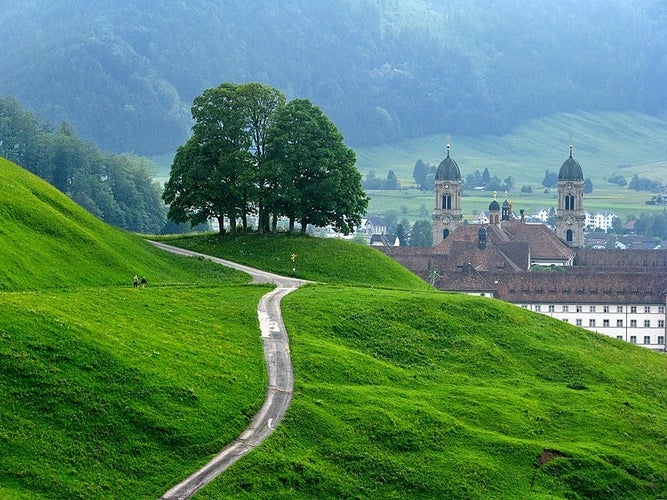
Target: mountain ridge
{"x": 381, "y": 71}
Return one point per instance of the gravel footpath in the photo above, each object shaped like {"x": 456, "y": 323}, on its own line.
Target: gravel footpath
{"x": 279, "y": 367}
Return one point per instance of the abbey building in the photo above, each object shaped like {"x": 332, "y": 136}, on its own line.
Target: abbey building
{"x": 618, "y": 293}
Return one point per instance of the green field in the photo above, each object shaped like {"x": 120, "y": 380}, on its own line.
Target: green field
{"x": 414, "y": 205}
{"x": 605, "y": 144}
{"x": 400, "y": 391}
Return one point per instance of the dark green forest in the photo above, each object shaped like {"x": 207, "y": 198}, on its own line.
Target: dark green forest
{"x": 125, "y": 73}
{"x": 117, "y": 188}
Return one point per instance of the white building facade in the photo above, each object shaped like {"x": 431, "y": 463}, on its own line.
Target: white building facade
{"x": 641, "y": 323}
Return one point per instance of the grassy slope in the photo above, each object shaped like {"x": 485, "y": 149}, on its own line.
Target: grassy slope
{"x": 46, "y": 241}
{"x": 423, "y": 394}
{"x": 112, "y": 392}
{"x": 107, "y": 391}
{"x": 318, "y": 259}
{"x": 430, "y": 395}
{"x": 603, "y": 142}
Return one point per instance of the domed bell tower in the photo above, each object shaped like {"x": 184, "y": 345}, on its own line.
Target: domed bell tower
{"x": 447, "y": 214}
{"x": 570, "y": 214}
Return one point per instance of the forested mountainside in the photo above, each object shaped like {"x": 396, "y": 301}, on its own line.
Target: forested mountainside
{"x": 124, "y": 73}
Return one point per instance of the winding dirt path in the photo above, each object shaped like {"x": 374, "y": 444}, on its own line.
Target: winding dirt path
{"x": 279, "y": 367}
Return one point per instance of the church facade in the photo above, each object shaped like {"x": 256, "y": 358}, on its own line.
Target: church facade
{"x": 618, "y": 293}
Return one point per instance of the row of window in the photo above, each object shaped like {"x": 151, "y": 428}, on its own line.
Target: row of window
{"x": 619, "y": 323}
{"x": 605, "y": 309}
{"x": 647, "y": 339}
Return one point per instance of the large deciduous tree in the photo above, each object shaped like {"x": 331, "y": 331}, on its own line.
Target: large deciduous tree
{"x": 252, "y": 153}
{"x": 261, "y": 103}
{"x": 212, "y": 174}
{"x": 220, "y": 171}
{"x": 313, "y": 172}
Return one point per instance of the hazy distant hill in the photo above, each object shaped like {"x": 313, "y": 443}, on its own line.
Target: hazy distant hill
{"x": 125, "y": 73}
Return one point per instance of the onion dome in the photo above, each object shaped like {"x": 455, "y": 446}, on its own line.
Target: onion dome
{"x": 570, "y": 170}
{"x": 494, "y": 206}
{"x": 448, "y": 170}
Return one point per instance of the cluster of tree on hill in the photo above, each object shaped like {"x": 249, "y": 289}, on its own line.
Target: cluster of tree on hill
{"x": 424, "y": 176}
{"x": 116, "y": 188}
{"x": 643, "y": 184}
{"x": 637, "y": 183}
{"x": 371, "y": 182}
{"x": 253, "y": 153}
{"x": 381, "y": 70}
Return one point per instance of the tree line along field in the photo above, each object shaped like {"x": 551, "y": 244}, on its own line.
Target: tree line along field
{"x": 415, "y": 205}
{"x": 605, "y": 144}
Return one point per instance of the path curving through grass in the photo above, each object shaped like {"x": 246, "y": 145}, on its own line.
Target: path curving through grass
{"x": 279, "y": 367}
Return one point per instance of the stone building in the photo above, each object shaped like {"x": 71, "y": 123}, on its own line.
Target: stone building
{"x": 618, "y": 293}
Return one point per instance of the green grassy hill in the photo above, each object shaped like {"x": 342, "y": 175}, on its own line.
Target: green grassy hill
{"x": 605, "y": 144}
{"x": 401, "y": 391}
{"x": 317, "y": 259}
{"x": 108, "y": 391}
{"x": 431, "y": 395}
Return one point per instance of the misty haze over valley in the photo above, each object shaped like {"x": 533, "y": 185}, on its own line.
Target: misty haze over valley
{"x": 124, "y": 74}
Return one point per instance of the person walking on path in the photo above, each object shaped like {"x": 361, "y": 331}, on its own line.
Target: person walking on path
{"x": 143, "y": 282}
{"x": 135, "y": 281}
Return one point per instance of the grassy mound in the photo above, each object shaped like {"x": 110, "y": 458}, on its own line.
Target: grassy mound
{"x": 317, "y": 259}
{"x": 430, "y": 395}
{"x": 108, "y": 391}
{"x": 47, "y": 241}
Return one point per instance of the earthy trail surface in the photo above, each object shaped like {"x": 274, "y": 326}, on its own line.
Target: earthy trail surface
{"x": 279, "y": 367}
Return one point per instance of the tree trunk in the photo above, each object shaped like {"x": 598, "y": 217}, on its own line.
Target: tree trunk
{"x": 221, "y": 224}
{"x": 291, "y": 225}
{"x": 275, "y": 224}
{"x": 304, "y": 226}
{"x": 260, "y": 219}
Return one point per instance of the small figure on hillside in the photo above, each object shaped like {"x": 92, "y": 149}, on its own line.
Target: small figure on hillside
{"x": 135, "y": 281}
{"x": 143, "y": 282}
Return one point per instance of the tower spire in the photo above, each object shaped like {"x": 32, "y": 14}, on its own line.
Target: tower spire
{"x": 571, "y": 146}
{"x": 448, "y": 145}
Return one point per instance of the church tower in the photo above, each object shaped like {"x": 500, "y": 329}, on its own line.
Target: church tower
{"x": 570, "y": 214}
{"x": 447, "y": 214}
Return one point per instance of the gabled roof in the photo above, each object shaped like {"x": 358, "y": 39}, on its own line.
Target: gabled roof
{"x": 512, "y": 244}
{"x": 544, "y": 244}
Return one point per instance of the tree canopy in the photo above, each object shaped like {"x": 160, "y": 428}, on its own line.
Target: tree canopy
{"x": 250, "y": 153}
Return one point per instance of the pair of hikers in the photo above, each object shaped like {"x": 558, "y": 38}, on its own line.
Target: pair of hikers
{"x": 135, "y": 281}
